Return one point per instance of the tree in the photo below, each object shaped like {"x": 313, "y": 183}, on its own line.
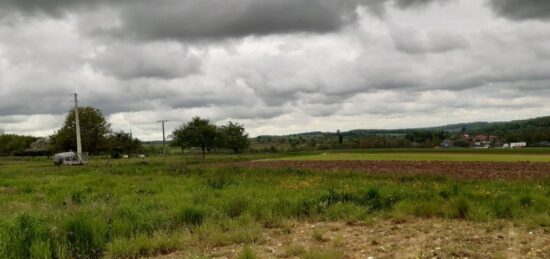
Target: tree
{"x": 197, "y": 133}
{"x": 122, "y": 142}
{"x": 233, "y": 136}
{"x": 14, "y": 144}
{"x": 94, "y": 131}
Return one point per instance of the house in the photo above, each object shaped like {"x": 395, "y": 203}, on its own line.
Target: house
{"x": 518, "y": 144}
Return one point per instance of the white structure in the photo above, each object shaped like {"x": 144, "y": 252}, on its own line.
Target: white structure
{"x": 77, "y": 123}
{"x": 506, "y": 145}
{"x": 67, "y": 158}
{"x": 518, "y": 144}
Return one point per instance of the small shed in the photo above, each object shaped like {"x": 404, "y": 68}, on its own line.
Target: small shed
{"x": 67, "y": 158}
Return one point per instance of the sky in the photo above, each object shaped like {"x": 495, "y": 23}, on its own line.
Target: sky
{"x": 276, "y": 66}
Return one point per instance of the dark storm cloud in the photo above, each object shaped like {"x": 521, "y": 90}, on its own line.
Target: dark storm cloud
{"x": 522, "y": 9}
{"x": 210, "y": 19}
{"x": 160, "y": 60}
{"x": 415, "y": 3}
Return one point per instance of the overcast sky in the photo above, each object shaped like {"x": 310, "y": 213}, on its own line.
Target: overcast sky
{"x": 277, "y": 66}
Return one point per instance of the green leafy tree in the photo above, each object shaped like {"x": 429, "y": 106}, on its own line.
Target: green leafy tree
{"x": 94, "y": 131}
{"x": 121, "y": 142}
{"x": 14, "y": 144}
{"x": 233, "y": 136}
{"x": 199, "y": 133}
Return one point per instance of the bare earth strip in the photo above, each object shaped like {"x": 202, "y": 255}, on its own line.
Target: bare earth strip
{"x": 459, "y": 170}
{"x": 414, "y": 238}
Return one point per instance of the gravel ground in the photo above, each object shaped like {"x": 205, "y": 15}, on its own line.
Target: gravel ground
{"x": 407, "y": 238}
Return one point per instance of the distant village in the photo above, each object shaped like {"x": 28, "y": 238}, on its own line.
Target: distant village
{"x": 480, "y": 141}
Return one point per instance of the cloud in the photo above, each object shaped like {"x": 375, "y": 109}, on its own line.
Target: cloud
{"x": 166, "y": 60}
{"x": 522, "y": 9}
{"x": 383, "y": 64}
{"x": 206, "y": 19}
{"x": 412, "y": 41}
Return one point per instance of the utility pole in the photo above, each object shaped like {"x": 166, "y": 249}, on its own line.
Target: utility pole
{"x": 77, "y": 123}
{"x": 163, "y": 138}
{"x": 130, "y": 144}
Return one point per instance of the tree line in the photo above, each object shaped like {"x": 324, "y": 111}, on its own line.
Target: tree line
{"x": 98, "y": 137}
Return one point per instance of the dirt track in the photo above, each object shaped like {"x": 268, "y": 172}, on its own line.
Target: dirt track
{"x": 459, "y": 170}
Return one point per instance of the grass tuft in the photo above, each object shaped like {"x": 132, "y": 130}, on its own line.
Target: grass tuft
{"x": 190, "y": 216}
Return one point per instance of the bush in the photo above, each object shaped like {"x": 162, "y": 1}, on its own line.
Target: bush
{"x": 424, "y": 209}
{"x": 218, "y": 181}
{"x": 504, "y": 208}
{"x": 190, "y": 216}
{"x": 307, "y": 208}
{"x": 526, "y": 201}
{"x": 86, "y": 236}
{"x": 236, "y": 207}
{"x": 372, "y": 199}
{"x": 459, "y": 208}
{"x": 41, "y": 249}
{"x": 19, "y": 237}
{"x": 144, "y": 245}
{"x": 247, "y": 253}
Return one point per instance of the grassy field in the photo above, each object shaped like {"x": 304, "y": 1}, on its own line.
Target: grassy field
{"x": 423, "y": 156}
{"x": 132, "y": 208}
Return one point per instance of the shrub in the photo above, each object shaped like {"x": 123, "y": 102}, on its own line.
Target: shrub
{"x": 218, "y": 181}
{"x": 460, "y": 208}
{"x": 372, "y": 199}
{"x": 424, "y": 209}
{"x": 236, "y": 207}
{"x": 143, "y": 245}
{"x": 504, "y": 208}
{"x": 247, "y": 253}
{"x": 526, "y": 201}
{"x": 190, "y": 216}
{"x": 86, "y": 236}
{"x": 77, "y": 197}
{"x": 306, "y": 208}
{"x": 19, "y": 237}
{"x": 327, "y": 253}
{"x": 317, "y": 235}
{"x": 40, "y": 249}
{"x": 295, "y": 251}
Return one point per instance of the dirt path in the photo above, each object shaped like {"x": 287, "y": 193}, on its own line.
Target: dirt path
{"x": 460, "y": 170}
{"x": 413, "y": 238}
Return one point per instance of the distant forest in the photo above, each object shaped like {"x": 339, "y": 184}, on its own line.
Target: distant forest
{"x": 536, "y": 132}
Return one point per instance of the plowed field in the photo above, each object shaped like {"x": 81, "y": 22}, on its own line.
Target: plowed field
{"x": 459, "y": 170}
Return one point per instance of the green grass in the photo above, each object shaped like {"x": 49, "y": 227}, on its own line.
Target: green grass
{"x": 415, "y": 156}
{"x": 131, "y": 208}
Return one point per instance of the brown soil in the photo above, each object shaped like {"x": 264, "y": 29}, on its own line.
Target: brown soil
{"x": 413, "y": 238}
{"x": 459, "y": 170}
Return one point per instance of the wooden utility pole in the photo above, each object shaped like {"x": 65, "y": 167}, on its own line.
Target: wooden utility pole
{"x": 163, "y": 138}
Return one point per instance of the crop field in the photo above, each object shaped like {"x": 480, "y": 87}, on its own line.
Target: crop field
{"x": 416, "y": 156}
{"x": 255, "y": 206}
